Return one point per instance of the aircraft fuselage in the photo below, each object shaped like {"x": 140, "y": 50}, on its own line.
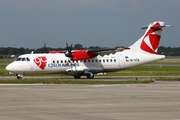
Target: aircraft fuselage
{"x": 58, "y": 63}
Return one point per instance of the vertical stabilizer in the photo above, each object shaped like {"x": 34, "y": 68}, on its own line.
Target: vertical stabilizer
{"x": 149, "y": 42}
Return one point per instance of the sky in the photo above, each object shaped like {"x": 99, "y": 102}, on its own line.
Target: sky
{"x": 104, "y": 23}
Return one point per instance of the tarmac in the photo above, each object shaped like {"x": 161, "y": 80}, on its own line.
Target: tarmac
{"x": 155, "y": 101}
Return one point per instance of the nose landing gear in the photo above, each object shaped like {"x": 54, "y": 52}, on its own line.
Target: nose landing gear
{"x": 19, "y": 76}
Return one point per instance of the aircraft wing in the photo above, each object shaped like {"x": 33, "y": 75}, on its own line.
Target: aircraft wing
{"x": 91, "y": 53}
{"x": 100, "y": 50}
{"x": 104, "y": 51}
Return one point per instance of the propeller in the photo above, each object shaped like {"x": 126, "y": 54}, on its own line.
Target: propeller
{"x": 68, "y": 53}
{"x": 44, "y": 49}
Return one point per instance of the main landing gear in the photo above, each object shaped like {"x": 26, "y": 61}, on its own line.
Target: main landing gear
{"x": 77, "y": 76}
{"x": 89, "y": 75}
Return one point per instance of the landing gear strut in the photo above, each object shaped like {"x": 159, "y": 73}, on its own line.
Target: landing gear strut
{"x": 89, "y": 75}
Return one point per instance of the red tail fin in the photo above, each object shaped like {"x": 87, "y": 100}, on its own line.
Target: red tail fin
{"x": 151, "y": 39}
{"x": 149, "y": 42}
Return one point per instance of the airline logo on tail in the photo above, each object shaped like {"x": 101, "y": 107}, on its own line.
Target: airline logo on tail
{"x": 41, "y": 62}
{"x": 151, "y": 39}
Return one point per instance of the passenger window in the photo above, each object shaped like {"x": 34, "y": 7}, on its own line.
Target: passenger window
{"x": 85, "y": 61}
{"x": 53, "y": 61}
{"x": 110, "y": 60}
{"x": 57, "y": 61}
{"x": 99, "y": 60}
{"x": 88, "y": 60}
{"x": 107, "y": 60}
{"x": 114, "y": 60}
{"x": 96, "y": 60}
{"x": 103, "y": 60}
{"x": 61, "y": 61}
{"x": 92, "y": 60}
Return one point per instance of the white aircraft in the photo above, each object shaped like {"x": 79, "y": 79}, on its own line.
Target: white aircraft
{"x": 90, "y": 62}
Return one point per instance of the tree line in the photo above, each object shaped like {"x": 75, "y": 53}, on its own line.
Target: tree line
{"x": 168, "y": 51}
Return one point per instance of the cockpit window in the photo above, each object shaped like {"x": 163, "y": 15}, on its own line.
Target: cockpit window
{"x": 18, "y": 59}
{"x": 27, "y": 59}
{"x": 23, "y": 59}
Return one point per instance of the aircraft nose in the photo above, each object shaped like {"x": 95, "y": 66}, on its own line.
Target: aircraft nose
{"x": 9, "y": 68}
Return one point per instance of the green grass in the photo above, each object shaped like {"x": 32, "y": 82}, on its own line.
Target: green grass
{"x": 58, "y": 81}
{"x": 167, "y": 79}
{"x": 3, "y": 71}
{"x": 6, "y": 61}
{"x": 149, "y": 71}
{"x": 136, "y": 71}
{"x": 168, "y": 63}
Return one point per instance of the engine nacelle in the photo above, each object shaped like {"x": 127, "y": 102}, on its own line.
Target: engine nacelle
{"x": 82, "y": 55}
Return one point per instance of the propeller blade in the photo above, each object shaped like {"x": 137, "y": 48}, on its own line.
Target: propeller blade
{"x": 68, "y": 53}
{"x": 45, "y": 50}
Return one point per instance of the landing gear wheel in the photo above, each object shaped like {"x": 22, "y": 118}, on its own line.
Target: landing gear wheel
{"x": 77, "y": 76}
{"x": 18, "y": 76}
{"x": 90, "y": 76}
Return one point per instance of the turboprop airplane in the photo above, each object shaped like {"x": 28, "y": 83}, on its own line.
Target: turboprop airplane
{"x": 90, "y": 62}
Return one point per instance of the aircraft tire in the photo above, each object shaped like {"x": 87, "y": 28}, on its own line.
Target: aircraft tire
{"x": 77, "y": 76}
{"x": 19, "y": 77}
{"x": 90, "y": 76}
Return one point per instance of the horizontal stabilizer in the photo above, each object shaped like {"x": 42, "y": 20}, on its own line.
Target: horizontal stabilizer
{"x": 157, "y": 26}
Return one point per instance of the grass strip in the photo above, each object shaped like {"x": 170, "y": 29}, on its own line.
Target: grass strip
{"x": 167, "y": 79}
{"x": 59, "y": 81}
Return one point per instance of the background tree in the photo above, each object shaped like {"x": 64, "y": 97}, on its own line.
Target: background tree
{"x": 78, "y": 46}
{"x": 168, "y": 51}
